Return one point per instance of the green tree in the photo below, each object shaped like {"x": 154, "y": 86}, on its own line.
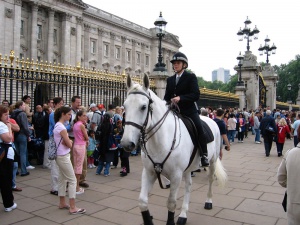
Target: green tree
{"x": 288, "y": 74}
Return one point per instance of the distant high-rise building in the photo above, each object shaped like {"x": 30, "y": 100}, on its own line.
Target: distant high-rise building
{"x": 221, "y": 74}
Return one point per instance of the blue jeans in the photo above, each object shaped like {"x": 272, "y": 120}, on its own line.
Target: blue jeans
{"x": 279, "y": 147}
{"x": 253, "y": 130}
{"x": 257, "y": 135}
{"x": 100, "y": 167}
{"x": 15, "y": 169}
{"x": 295, "y": 141}
{"x": 21, "y": 147}
{"x": 230, "y": 135}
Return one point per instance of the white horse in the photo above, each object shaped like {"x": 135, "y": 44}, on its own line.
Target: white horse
{"x": 165, "y": 138}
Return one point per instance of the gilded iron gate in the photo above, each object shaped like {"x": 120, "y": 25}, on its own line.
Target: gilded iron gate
{"x": 262, "y": 91}
{"x": 43, "y": 81}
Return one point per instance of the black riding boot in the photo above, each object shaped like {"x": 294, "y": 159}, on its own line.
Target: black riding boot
{"x": 204, "y": 159}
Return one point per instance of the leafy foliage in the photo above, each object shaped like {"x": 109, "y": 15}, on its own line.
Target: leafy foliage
{"x": 218, "y": 85}
{"x": 288, "y": 74}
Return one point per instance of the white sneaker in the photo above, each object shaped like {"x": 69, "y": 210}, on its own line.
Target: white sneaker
{"x": 30, "y": 167}
{"x": 257, "y": 142}
{"x": 11, "y": 208}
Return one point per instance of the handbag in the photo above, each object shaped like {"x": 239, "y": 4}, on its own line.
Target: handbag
{"x": 52, "y": 151}
{"x": 2, "y": 151}
{"x": 284, "y": 202}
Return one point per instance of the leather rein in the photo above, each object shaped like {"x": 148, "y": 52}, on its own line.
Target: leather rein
{"x": 158, "y": 167}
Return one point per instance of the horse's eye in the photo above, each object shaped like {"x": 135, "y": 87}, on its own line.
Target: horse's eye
{"x": 143, "y": 107}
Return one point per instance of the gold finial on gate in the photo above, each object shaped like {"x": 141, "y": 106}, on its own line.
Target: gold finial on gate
{"x": 78, "y": 66}
{"x": 12, "y": 57}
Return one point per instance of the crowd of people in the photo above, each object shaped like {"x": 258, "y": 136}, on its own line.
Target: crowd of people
{"x": 273, "y": 126}
{"x": 73, "y": 132}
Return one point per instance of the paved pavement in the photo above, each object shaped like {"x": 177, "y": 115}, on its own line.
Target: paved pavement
{"x": 251, "y": 196}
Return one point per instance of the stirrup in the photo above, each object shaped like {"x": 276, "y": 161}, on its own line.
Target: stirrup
{"x": 204, "y": 161}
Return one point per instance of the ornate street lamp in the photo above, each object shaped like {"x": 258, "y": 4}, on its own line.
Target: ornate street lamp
{"x": 160, "y": 25}
{"x": 247, "y": 33}
{"x": 266, "y": 49}
{"x": 289, "y": 87}
{"x": 240, "y": 59}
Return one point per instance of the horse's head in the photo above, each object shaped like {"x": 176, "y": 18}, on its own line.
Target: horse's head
{"x": 137, "y": 109}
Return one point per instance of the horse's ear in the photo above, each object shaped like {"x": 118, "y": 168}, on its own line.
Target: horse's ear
{"x": 129, "y": 82}
{"x": 146, "y": 81}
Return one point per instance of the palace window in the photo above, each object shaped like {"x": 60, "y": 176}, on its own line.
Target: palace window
{"x": 138, "y": 58}
{"x": 93, "y": 47}
{"x": 128, "y": 55}
{"x": 55, "y": 36}
{"x": 106, "y": 50}
{"x": 118, "y": 52}
{"x": 147, "y": 60}
{"x": 22, "y": 27}
{"x": 21, "y": 56}
{"x": 39, "y": 32}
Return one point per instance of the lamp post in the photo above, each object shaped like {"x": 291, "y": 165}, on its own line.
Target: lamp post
{"x": 247, "y": 33}
{"x": 160, "y": 25}
{"x": 267, "y": 48}
{"x": 289, "y": 87}
{"x": 240, "y": 59}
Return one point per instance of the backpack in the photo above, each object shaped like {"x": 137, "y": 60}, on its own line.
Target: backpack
{"x": 97, "y": 132}
{"x": 15, "y": 117}
{"x": 38, "y": 121}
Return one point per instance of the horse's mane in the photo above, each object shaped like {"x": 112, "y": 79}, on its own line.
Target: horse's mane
{"x": 137, "y": 87}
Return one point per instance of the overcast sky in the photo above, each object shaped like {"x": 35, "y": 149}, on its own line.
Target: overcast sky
{"x": 207, "y": 29}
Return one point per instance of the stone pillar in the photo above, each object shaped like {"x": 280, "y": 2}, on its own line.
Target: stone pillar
{"x": 78, "y": 39}
{"x": 51, "y": 13}
{"x": 2, "y": 29}
{"x": 250, "y": 70}
{"x": 100, "y": 47}
{"x": 66, "y": 34}
{"x": 17, "y": 22}
{"x": 270, "y": 79}
{"x": 133, "y": 55}
{"x": 123, "y": 56}
{"x": 298, "y": 98}
{"x": 240, "y": 91}
{"x": 143, "y": 57}
{"x": 33, "y": 44}
{"x": 112, "y": 51}
{"x": 160, "y": 79}
{"x": 86, "y": 45}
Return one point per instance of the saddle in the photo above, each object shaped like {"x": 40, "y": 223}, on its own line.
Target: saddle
{"x": 209, "y": 137}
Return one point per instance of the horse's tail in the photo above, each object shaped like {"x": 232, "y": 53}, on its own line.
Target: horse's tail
{"x": 220, "y": 173}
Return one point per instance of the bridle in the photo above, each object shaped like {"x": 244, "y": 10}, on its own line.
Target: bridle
{"x": 158, "y": 167}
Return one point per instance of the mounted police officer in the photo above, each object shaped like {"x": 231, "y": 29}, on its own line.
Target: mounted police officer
{"x": 182, "y": 88}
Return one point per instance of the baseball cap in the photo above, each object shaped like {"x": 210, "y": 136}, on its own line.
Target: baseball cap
{"x": 92, "y": 105}
{"x": 101, "y": 106}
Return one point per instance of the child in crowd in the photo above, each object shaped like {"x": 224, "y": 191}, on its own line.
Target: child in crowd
{"x": 90, "y": 149}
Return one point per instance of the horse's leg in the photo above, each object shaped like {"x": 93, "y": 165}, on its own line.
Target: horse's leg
{"x": 148, "y": 180}
{"x": 186, "y": 200}
{"x": 211, "y": 172}
{"x": 171, "y": 203}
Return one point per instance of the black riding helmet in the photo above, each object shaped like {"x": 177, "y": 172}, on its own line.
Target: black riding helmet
{"x": 179, "y": 56}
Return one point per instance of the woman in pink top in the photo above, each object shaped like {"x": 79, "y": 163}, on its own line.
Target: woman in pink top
{"x": 80, "y": 143}
{"x": 66, "y": 172}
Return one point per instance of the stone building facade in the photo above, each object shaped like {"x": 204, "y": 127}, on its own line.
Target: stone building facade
{"x": 70, "y": 31}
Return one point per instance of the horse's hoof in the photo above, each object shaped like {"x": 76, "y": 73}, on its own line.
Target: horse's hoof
{"x": 208, "y": 205}
{"x": 181, "y": 221}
